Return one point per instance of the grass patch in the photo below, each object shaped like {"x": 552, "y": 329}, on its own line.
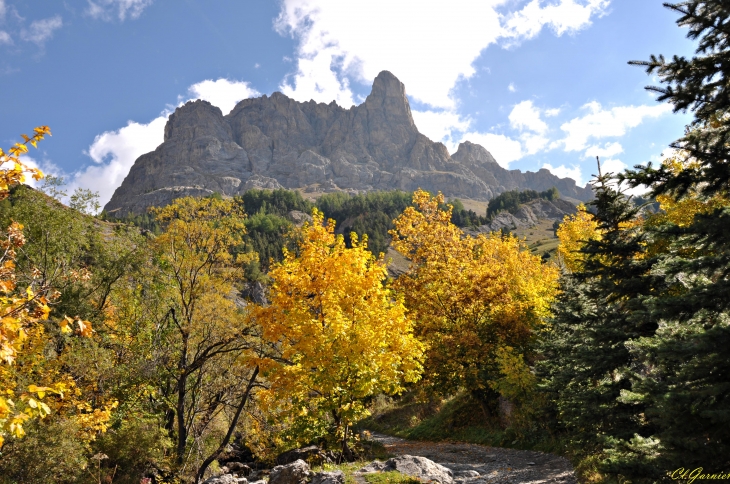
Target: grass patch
{"x": 457, "y": 418}
{"x": 347, "y": 468}
{"x": 391, "y": 477}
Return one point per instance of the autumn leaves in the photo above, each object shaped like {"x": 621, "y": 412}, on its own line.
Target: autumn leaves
{"x": 462, "y": 317}
{"x": 181, "y": 349}
{"x": 342, "y": 334}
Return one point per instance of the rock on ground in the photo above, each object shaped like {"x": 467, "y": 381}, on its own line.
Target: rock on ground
{"x": 311, "y": 454}
{"x": 226, "y": 479}
{"x": 420, "y": 468}
{"x": 295, "y": 473}
{"x": 333, "y": 477}
{"x": 493, "y": 464}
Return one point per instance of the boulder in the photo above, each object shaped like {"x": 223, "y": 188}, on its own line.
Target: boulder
{"x": 333, "y": 477}
{"x": 295, "y": 473}
{"x": 311, "y": 454}
{"x": 238, "y": 468}
{"x": 420, "y": 468}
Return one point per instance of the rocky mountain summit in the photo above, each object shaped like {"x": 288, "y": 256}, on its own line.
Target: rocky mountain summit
{"x": 277, "y": 142}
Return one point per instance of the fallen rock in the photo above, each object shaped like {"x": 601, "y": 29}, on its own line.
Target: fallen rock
{"x": 238, "y": 468}
{"x": 295, "y": 473}
{"x": 333, "y": 477}
{"x": 312, "y": 455}
{"x": 420, "y": 468}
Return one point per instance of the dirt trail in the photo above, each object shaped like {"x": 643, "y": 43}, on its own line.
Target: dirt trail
{"x": 493, "y": 464}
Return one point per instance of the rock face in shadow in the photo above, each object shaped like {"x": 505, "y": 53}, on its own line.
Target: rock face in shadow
{"x": 277, "y": 142}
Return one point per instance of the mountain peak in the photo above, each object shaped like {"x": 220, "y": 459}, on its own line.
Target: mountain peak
{"x": 275, "y": 141}
{"x": 389, "y": 94}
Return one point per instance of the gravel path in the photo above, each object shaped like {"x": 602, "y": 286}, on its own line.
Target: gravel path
{"x": 479, "y": 464}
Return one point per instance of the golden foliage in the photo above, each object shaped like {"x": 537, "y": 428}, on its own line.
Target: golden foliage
{"x": 573, "y": 233}
{"x": 12, "y": 170}
{"x": 471, "y": 297}
{"x": 207, "y": 343}
{"x": 21, "y": 315}
{"x": 682, "y": 212}
{"x": 341, "y": 332}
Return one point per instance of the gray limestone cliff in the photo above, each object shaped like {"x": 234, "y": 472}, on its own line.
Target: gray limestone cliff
{"x": 275, "y": 142}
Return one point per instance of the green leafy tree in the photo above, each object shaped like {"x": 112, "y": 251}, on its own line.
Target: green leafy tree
{"x": 85, "y": 201}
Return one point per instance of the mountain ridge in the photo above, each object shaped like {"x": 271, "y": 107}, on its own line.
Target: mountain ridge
{"x": 277, "y": 142}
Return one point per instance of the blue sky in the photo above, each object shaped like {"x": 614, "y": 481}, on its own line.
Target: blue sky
{"x": 539, "y": 83}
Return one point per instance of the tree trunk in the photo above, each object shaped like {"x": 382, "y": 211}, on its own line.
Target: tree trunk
{"x": 182, "y": 431}
{"x": 231, "y": 427}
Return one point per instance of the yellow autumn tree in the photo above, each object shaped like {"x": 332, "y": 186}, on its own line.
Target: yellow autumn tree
{"x": 341, "y": 333}
{"x": 206, "y": 344}
{"x": 682, "y": 211}
{"x": 581, "y": 227}
{"x": 21, "y": 310}
{"x": 573, "y": 233}
{"x": 476, "y": 300}
{"x": 26, "y": 376}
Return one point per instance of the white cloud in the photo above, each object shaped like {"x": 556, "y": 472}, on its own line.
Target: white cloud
{"x": 315, "y": 80}
{"x": 567, "y": 16}
{"x": 551, "y": 112}
{"x": 41, "y": 30}
{"x": 114, "y": 153}
{"x": 534, "y": 143}
{"x": 603, "y": 123}
{"x": 3, "y": 9}
{"x": 107, "y": 9}
{"x": 428, "y": 44}
{"x": 222, "y": 93}
{"x": 5, "y": 38}
{"x": 606, "y": 151}
{"x": 511, "y": 87}
{"x": 525, "y": 116}
{"x": 504, "y": 149}
{"x": 440, "y": 125}
{"x": 563, "y": 171}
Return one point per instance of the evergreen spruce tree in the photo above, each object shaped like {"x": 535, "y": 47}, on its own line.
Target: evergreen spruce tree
{"x": 586, "y": 362}
{"x": 685, "y": 381}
